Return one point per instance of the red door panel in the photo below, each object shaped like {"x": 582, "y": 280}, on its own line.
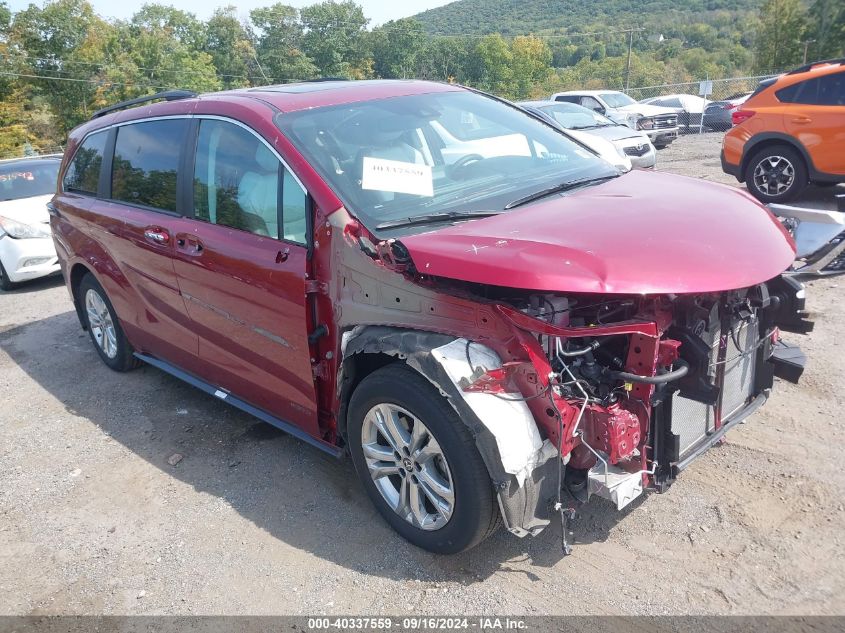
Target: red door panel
{"x": 161, "y": 325}
{"x": 245, "y": 294}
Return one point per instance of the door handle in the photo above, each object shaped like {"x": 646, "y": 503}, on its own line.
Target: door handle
{"x": 802, "y": 119}
{"x": 157, "y": 235}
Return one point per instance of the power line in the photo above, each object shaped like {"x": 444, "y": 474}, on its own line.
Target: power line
{"x": 104, "y": 83}
{"x": 101, "y": 65}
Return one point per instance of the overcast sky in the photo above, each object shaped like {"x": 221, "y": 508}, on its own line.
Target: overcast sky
{"x": 379, "y": 11}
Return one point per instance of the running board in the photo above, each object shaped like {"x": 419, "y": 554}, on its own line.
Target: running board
{"x": 236, "y": 402}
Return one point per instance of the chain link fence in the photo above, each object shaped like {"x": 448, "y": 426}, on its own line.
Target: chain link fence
{"x": 696, "y": 111}
{"x": 721, "y": 89}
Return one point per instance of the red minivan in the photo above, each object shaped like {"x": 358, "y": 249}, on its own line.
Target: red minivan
{"x": 494, "y": 322}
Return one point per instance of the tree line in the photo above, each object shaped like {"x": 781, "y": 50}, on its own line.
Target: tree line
{"x": 62, "y": 61}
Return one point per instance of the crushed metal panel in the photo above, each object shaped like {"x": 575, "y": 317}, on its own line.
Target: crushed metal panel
{"x": 507, "y": 417}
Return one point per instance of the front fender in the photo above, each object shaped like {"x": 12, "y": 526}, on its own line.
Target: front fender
{"x": 520, "y": 464}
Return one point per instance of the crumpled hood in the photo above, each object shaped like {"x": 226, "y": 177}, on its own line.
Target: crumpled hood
{"x": 641, "y": 233}
{"x": 27, "y": 210}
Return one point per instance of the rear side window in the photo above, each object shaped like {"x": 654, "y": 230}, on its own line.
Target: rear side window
{"x": 239, "y": 182}
{"x": 827, "y": 90}
{"x": 832, "y": 89}
{"x": 568, "y": 98}
{"x": 83, "y": 173}
{"x": 146, "y": 159}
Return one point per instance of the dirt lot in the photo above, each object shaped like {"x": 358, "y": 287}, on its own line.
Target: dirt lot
{"x": 93, "y": 518}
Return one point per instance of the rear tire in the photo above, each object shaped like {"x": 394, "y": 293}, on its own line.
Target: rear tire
{"x": 104, "y": 327}
{"x": 394, "y": 412}
{"x": 776, "y": 174}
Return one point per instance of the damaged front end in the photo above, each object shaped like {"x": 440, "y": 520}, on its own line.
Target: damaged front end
{"x": 631, "y": 389}
{"x": 580, "y": 394}
{"x": 626, "y": 389}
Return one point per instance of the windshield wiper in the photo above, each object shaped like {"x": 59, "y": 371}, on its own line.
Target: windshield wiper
{"x": 432, "y": 218}
{"x": 564, "y": 186}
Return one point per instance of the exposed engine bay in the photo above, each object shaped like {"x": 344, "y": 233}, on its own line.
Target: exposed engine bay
{"x": 630, "y": 405}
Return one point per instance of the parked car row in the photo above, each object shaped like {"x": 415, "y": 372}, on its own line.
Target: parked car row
{"x": 660, "y": 124}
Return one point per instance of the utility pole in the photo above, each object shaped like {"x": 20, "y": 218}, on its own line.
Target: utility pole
{"x": 806, "y": 44}
{"x": 630, "y": 33}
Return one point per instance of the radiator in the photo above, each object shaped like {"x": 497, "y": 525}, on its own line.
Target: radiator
{"x": 692, "y": 421}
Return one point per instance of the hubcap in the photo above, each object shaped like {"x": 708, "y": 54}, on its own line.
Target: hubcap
{"x": 408, "y": 466}
{"x": 101, "y": 324}
{"x": 773, "y": 175}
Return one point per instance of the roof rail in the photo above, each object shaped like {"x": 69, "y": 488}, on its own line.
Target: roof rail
{"x": 167, "y": 95}
{"x": 806, "y": 67}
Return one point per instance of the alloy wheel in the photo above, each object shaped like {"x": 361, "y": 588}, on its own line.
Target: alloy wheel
{"x": 408, "y": 466}
{"x": 100, "y": 322}
{"x": 774, "y": 175}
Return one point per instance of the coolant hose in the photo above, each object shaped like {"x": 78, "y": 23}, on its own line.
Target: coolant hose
{"x": 680, "y": 372}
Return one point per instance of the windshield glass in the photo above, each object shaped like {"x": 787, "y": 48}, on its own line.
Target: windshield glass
{"x": 446, "y": 152}
{"x": 26, "y": 179}
{"x": 617, "y": 99}
{"x": 575, "y": 117}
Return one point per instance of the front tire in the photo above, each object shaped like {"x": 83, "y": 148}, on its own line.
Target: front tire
{"x": 418, "y": 462}
{"x": 6, "y": 283}
{"x": 776, "y": 174}
{"x": 104, "y": 327}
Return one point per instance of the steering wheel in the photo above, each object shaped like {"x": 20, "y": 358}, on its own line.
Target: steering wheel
{"x": 456, "y": 170}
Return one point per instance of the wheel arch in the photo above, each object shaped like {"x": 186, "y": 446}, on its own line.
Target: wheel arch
{"x": 368, "y": 348}
{"x": 771, "y": 139}
{"x": 524, "y": 501}
{"x": 77, "y": 273}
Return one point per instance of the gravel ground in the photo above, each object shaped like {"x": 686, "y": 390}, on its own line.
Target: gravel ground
{"x": 97, "y": 516}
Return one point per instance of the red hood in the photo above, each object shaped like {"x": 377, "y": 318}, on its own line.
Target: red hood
{"x": 642, "y": 233}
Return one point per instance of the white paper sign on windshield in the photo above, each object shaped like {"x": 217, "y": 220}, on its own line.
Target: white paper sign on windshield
{"x": 397, "y": 176}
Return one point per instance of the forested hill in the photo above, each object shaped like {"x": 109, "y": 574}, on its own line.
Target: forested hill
{"x": 513, "y": 17}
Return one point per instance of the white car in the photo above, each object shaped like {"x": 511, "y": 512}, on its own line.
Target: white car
{"x": 597, "y": 132}
{"x": 689, "y": 108}
{"x": 661, "y": 124}
{"x": 26, "y": 244}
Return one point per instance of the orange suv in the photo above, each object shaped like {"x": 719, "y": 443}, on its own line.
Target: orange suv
{"x": 789, "y": 132}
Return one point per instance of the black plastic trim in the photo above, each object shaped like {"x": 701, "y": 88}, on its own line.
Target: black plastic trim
{"x": 167, "y": 95}
{"x": 755, "y": 141}
{"x": 236, "y": 402}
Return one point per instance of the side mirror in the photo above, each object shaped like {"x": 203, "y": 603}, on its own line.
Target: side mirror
{"x": 600, "y": 109}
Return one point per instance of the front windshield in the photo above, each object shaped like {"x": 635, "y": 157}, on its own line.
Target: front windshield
{"x": 575, "y": 117}
{"x": 26, "y": 179}
{"x": 438, "y": 153}
{"x": 617, "y": 99}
